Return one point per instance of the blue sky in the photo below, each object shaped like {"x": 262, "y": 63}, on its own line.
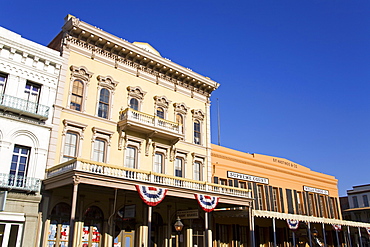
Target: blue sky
{"x": 294, "y": 74}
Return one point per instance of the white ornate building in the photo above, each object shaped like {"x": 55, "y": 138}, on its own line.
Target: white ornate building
{"x": 28, "y": 82}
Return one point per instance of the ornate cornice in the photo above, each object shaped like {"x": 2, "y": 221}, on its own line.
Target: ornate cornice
{"x": 99, "y": 42}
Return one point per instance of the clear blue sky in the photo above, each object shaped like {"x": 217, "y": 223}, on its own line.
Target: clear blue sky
{"x": 294, "y": 75}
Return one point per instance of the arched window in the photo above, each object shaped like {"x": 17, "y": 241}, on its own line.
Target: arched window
{"x": 59, "y": 225}
{"x": 77, "y": 95}
{"x": 103, "y": 109}
{"x": 134, "y": 104}
{"x": 197, "y": 132}
{"x": 180, "y": 121}
{"x": 160, "y": 112}
{"x": 93, "y": 227}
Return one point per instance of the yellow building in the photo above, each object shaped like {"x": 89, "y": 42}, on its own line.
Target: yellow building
{"x": 282, "y": 190}
{"x": 126, "y": 116}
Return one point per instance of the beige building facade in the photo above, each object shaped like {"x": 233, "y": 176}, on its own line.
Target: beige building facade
{"x": 126, "y": 116}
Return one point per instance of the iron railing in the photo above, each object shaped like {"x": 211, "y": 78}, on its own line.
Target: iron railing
{"x": 9, "y": 181}
{"x": 23, "y": 106}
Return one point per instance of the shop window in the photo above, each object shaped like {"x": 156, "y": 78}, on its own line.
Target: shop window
{"x": 19, "y": 164}
{"x": 59, "y": 225}
{"x": 104, "y": 98}
{"x": 93, "y": 227}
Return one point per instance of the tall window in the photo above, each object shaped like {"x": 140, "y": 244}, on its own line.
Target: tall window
{"x": 260, "y": 197}
{"x": 3, "y": 78}
{"x": 197, "y": 171}
{"x": 130, "y": 160}
{"x": 32, "y": 92}
{"x": 158, "y": 163}
{"x": 134, "y": 104}
{"x": 366, "y": 200}
{"x": 180, "y": 121}
{"x": 197, "y": 139}
{"x": 275, "y": 205}
{"x": 77, "y": 95}
{"x": 160, "y": 112}
{"x": 179, "y": 167}
{"x": 99, "y": 150}
{"x": 18, "y": 167}
{"x": 355, "y": 201}
{"x": 70, "y": 146}
{"x": 103, "y": 108}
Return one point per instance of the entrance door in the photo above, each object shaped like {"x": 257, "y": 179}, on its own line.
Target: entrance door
{"x": 125, "y": 239}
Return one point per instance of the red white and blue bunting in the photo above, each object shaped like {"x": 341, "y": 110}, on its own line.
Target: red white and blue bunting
{"x": 151, "y": 195}
{"x": 292, "y": 224}
{"x": 368, "y": 230}
{"x": 337, "y": 227}
{"x": 207, "y": 203}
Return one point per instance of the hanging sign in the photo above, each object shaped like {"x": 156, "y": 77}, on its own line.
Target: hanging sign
{"x": 293, "y": 224}
{"x": 152, "y": 196}
{"x": 368, "y": 230}
{"x": 337, "y": 227}
{"x": 207, "y": 203}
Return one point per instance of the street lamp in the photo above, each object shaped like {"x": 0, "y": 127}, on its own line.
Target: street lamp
{"x": 178, "y": 227}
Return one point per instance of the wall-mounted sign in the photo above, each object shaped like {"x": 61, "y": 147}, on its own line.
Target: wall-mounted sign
{"x": 246, "y": 177}
{"x": 314, "y": 190}
{"x": 188, "y": 214}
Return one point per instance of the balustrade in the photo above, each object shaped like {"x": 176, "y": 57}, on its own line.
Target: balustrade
{"x": 11, "y": 102}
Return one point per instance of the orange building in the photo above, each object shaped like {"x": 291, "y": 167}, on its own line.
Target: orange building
{"x": 282, "y": 190}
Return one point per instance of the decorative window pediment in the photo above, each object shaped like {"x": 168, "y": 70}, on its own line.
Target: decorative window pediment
{"x": 107, "y": 82}
{"x": 136, "y": 92}
{"x": 81, "y": 73}
{"x": 162, "y": 101}
{"x": 198, "y": 114}
{"x": 181, "y": 108}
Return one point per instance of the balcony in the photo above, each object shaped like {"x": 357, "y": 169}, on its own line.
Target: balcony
{"x": 150, "y": 125}
{"x": 23, "y": 107}
{"x": 29, "y": 184}
{"x": 132, "y": 176}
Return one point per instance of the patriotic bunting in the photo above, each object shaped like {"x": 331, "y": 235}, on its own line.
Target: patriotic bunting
{"x": 151, "y": 195}
{"x": 337, "y": 227}
{"x": 207, "y": 203}
{"x": 293, "y": 224}
{"x": 368, "y": 230}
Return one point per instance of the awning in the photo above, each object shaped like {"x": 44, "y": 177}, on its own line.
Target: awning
{"x": 305, "y": 218}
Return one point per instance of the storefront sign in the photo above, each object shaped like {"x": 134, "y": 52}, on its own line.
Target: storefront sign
{"x": 246, "y": 177}
{"x": 314, "y": 190}
{"x": 188, "y": 214}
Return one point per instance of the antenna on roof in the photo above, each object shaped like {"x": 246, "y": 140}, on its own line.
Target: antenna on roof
{"x": 218, "y": 122}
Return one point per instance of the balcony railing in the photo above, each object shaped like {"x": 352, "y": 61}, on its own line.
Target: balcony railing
{"x": 29, "y": 184}
{"x": 150, "y": 121}
{"x": 145, "y": 176}
{"x": 23, "y": 107}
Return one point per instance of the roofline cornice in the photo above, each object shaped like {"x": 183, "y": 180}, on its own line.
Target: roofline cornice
{"x": 123, "y": 48}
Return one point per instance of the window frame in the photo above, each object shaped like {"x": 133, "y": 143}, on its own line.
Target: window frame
{"x": 197, "y": 133}
{"x": 99, "y": 152}
{"x": 82, "y": 75}
{"x": 19, "y": 180}
{"x": 102, "y": 104}
{"x": 182, "y": 166}
{"x": 3, "y": 83}
{"x": 76, "y": 127}
{"x": 75, "y": 95}
{"x": 155, "y": 163}
{"x": 105, "y": 135}
{"x": 67, "y": 157}
{"x": 134, "y": 157}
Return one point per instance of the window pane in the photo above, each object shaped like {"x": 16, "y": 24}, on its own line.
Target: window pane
{"x": 197, "y": 174}
{"x": 134, "y": 104}
{"x": 158, "y": 163}
{"x": 160, "y": 112}
{"x": 76, "y": 97}
{"x": 19, "y": 165}
{"x": 2, "y": 83}
{"x": 178, "y": 167}
{"x": 70, "y": 146}
{"x": 196, "y": 132}
{"x": 31, "y": 92}
{"x": 99, "y": 150}
{"x": 130, "y": 157}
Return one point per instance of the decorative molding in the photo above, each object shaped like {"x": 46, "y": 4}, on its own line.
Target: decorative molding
{"x": 162, "y": 101}
{"x": 198, "y": 114}
{"x": 136, "y": 92}
{"x": 107, "y": 82}
{"x": 181, "y": 108}
{"x": 81, "y": 73}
